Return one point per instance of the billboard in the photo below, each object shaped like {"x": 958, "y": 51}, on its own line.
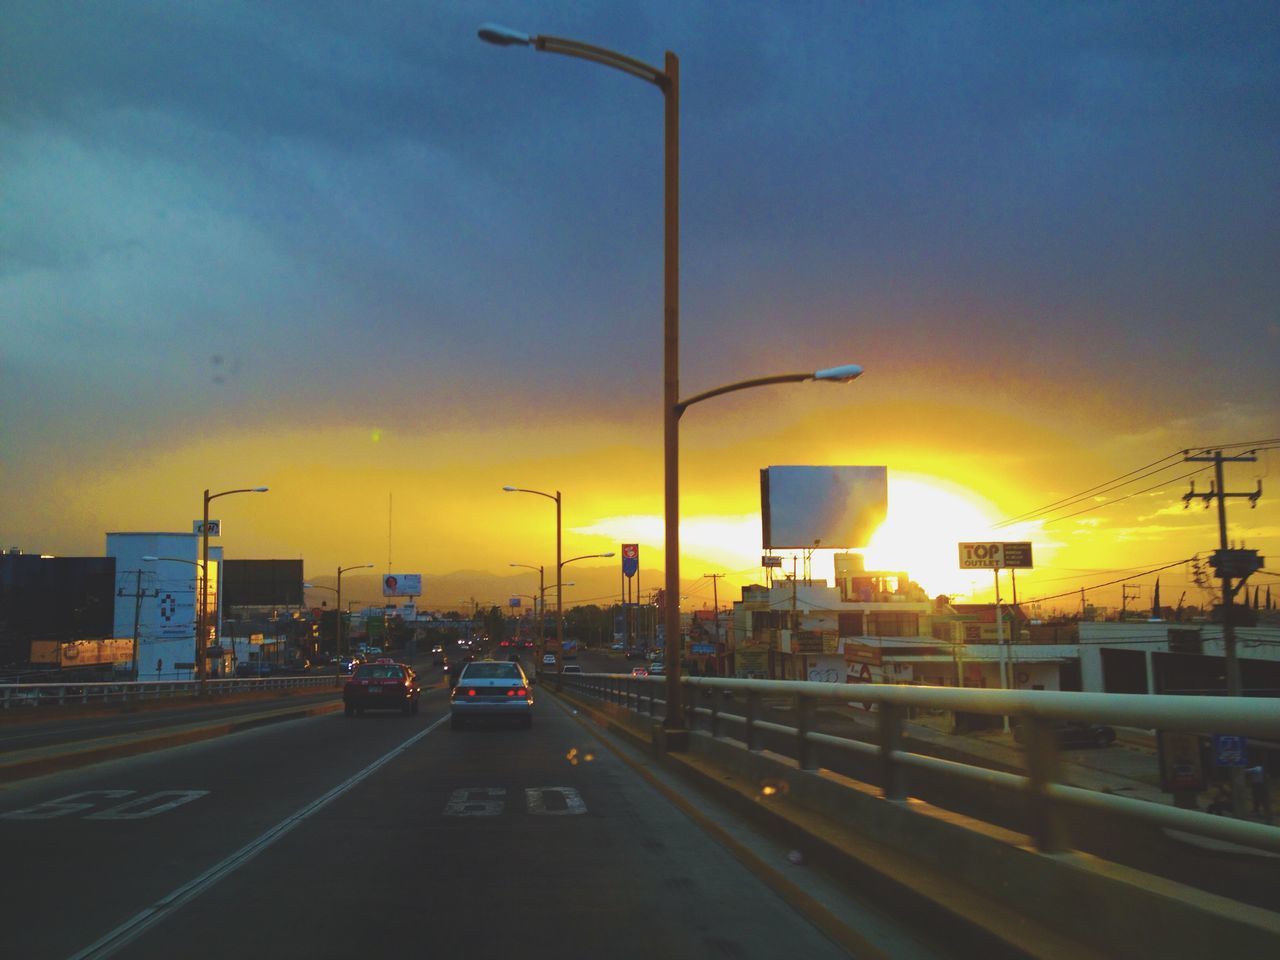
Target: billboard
{"x": 402, "y": 585}
{"x": 806, "y": 507}
{"x": 261, "y": 583}
{"x": 995, "y": 556}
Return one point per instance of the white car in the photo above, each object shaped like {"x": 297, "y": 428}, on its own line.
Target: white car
{"x": 657, "y": 669}
{"x": 548, "y": 659}
{"x": 571, "y": 668}
{"x": 491, "y": 689}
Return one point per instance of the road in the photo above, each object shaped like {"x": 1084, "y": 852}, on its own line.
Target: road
{"x": 383, "y": 835}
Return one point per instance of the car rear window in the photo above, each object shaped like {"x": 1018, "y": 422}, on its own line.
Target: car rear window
{"x": 379, "y": 671}
{"x": 492, "y": 671}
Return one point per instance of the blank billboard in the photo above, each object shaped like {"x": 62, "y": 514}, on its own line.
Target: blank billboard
{"x": 262, "y": 583}
{"x": 806, "y": 507}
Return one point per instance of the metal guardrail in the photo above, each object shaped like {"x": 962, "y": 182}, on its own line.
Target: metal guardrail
{"x": 27, "y": 695}
{"x": 1042, "y": 785}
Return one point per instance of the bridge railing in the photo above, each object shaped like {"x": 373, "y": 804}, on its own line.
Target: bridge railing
{"x": 730, "y": 704}
{"x": 27, "y": 695}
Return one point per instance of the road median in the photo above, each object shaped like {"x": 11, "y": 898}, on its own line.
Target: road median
{"x": 39, "y": 761}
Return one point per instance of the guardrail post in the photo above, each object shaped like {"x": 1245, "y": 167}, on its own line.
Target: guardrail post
{"x": 1043, "y": 768}
{"x": 653, "y": 698}
{"x": 892, "y": 776}
{"x": 804, "y": 723}
{"x": 716, "y": 700}
{"x": 752, "y": 735}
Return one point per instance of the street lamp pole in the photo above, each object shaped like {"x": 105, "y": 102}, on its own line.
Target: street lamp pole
{"x": 202, "y": 615}
{"x": 559, "y": 585}
{"x": 542, "y": 589}
{"x": 668, "y": 81}
{"x": 337, "y": 644}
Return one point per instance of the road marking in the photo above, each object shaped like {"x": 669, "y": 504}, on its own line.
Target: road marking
{"x": 144, "y": 807}
{"x": 570, "y": 802}
{"x": 476, "y": 802}
{"x": 65, "y": 806}
{"x": 132, "y": 928}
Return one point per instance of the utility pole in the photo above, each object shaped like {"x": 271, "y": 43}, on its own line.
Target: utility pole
{"x": 138, "y": 594}
{"x": 715, "y": 600}
{"x": 1228, "y": 564}
{"x": 1125, "y": 597}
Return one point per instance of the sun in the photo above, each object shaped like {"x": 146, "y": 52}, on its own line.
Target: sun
{"x": 927, "y": 517}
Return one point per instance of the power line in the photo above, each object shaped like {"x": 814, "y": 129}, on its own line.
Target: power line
{"x": 1136, "y": 493}
{"x": 1109, "y": 583}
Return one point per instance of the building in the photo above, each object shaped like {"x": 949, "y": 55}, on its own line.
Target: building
{"x": 165, "y": 611}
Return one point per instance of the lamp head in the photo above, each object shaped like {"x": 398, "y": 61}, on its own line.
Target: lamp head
{"x": 151, "y": 559}
{"x": 502, "y": 36}
{"x": 509, "y": 489}
{"x": 259, "y": 490}
{"x": 843, "y": 374}
{"x": 609, "y": 554}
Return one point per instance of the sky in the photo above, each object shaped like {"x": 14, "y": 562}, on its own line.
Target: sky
{"x": 355, "y": 254}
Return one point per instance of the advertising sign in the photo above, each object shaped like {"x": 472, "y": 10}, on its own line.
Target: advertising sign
{"x": 215, "y": 527}
{"x": 630, "y": 559}
{"x": 1181, "y": 765}
{"x": 768, "y": 562}
{"x": 751, "y": 662}
{"x": 402, "y": 585}
{"x": 1230, "y": 750}
{"x": 806, "y": 507}
{"x": 995, "y": 556}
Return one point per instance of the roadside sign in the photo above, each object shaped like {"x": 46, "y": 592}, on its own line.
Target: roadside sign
{"x": 1230, "y": 750}
{"x": 1181, "y": 763}
{"x": 513, "y": 602}
{"x": 995, "y": 556}
{"x": 215, "y": 527}
{"x": 630, "y": 559}
{"x": 771, "y": 562}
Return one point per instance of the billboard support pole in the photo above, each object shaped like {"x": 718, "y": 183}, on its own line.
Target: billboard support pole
{"x": 1001, "y": 645}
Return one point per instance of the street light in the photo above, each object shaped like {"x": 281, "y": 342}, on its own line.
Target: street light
{"x": 668, "y": 81}
{"x": 559, "y": 585}
{"x": 202, "y": 615}
{"x": 337, "y": 645}
{"x": 542, "y": 592}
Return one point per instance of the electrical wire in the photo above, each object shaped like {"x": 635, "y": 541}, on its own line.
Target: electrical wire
{"x": 1110, "y": 583}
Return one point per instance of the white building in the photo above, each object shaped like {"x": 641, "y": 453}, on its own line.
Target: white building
{"x": 165, "y": 611}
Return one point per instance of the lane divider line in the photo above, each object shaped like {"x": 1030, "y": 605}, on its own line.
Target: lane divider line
{"x": 132, "y": 928}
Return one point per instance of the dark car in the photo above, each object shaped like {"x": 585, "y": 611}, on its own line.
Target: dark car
{"x": 254, "y": 668}
{"x": 1071, "y": 733}
{"x": 382, "y": 685}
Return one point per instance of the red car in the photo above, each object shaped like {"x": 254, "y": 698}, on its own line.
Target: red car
{"x": 382, "y": 685}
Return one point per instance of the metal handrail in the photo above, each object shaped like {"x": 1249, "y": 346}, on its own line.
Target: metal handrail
{"x": 1043, "y": 784}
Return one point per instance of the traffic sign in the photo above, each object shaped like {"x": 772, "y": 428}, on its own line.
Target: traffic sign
{"x": 770, "y": 561}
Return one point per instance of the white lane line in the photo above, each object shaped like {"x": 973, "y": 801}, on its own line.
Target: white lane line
{"x": 108, "y": 944}
{"x": 536, "y": 802}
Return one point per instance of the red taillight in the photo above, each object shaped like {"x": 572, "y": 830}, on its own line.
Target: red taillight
{"x": 517, "y": 692}
{"x": 471, "y": 692}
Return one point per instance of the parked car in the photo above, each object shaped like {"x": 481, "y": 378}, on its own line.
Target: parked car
{"x": 382, "y": 685}
{"x": 254, "y": 668}
{"x": 1071, "y": 733}
{"x": 491, "y": 689}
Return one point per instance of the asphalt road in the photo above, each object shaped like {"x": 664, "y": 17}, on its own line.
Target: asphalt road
{"x": 385, "y": 835}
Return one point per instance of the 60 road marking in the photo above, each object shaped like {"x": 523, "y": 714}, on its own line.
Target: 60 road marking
{"x": 137, "y": 809}
{"x": 491, "y": 802}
